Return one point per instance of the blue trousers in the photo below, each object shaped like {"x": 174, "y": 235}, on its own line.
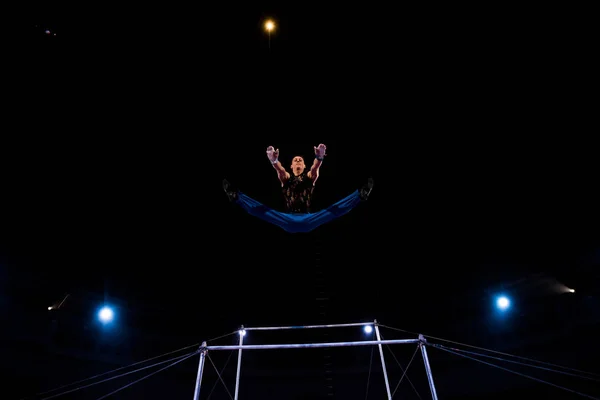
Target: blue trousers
{"x": 295, "y": 223}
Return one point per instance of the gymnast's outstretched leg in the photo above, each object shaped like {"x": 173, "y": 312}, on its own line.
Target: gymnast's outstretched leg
{"x": 258, "y": 209}
{"x": 338, "y": 209}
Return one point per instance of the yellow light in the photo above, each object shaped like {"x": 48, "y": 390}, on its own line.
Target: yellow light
{"x": 269, "y": 25}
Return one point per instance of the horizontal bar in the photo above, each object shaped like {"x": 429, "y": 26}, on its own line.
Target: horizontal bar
{"x": 311, "y": 345}
{"x": 277, "y": 328}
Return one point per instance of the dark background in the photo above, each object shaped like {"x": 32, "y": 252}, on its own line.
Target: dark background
{"x": 475, "y": 123}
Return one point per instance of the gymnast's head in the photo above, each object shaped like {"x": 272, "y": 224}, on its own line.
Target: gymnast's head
{"x": 298, "y": 165}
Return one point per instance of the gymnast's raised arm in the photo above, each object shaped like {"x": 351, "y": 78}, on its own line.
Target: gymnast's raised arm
{"x": 273, "y": 156}
{"x": 319, "y": 155}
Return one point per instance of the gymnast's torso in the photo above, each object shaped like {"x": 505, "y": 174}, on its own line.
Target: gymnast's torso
{"x": 297, "y": 193}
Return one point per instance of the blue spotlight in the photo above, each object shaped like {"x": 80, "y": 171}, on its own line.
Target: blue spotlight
{"x": 106, "y": 315}
{"x": 503, "y": 303}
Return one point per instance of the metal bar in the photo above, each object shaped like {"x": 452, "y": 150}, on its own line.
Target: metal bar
{"x": 311, "y": 345}
{"x": 200, "y": 370}
{"x": 422, "y": 343}
{"x": 387, "y": 382}
{"x": 239, "y": 364}
{"x": 277, "y": 328}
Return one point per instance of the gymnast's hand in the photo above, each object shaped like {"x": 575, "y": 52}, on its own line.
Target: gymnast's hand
{"x": 320, "y": 150}
{"x": 272, "y": 154}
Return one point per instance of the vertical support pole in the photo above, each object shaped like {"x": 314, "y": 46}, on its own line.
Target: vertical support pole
{"x": 200, "y": 370}
{"x": 387, "y": 383}
{"x": 422, "y": 343}
{"x": 242, "y": 332}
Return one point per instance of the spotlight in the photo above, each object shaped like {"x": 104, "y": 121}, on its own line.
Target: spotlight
{"x": 105, "y": 315}
{"x": 503, "y": 303}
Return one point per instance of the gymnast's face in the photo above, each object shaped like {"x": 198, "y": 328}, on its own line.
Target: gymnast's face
{"x": 298, "y": 164}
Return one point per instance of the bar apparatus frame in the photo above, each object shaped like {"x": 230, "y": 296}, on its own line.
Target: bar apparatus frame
{"x": 421, "y": 341}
